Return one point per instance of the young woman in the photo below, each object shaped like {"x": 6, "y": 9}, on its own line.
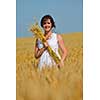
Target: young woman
{"x": 55, "y": 41}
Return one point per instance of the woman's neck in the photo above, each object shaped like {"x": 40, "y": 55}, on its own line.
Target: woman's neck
{"x": 48, "y": 34}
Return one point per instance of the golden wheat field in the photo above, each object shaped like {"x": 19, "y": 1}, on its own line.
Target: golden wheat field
{"x": 49, "y": 84}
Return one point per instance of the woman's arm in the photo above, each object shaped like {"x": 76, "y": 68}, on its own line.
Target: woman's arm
{"x": 39, "y": 52}
{"x": 62, "y": 48}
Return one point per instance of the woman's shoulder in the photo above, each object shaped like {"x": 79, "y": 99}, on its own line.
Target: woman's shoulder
{"x": 59, "y": 37}
{"x": 55, "y": 34}
{"x": 38, "y": 41}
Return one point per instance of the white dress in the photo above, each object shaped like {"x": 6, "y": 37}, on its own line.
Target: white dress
{"x": 46, "y": 60}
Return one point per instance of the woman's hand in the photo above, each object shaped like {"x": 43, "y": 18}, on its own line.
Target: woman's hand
{"x": 46, "y": 44}
{"x": 61, "y": 64}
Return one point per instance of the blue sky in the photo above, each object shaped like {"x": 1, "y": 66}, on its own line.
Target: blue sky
{"x": 68, "y": 15}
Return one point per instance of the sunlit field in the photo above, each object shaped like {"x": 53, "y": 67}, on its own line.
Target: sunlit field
{"x": 53, "y": 83}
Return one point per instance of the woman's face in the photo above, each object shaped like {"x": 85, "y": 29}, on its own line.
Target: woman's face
{"x": 47, "y": 25}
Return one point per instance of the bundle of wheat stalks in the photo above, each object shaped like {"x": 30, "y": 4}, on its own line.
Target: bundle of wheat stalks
{"x": 35, "y": 29}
